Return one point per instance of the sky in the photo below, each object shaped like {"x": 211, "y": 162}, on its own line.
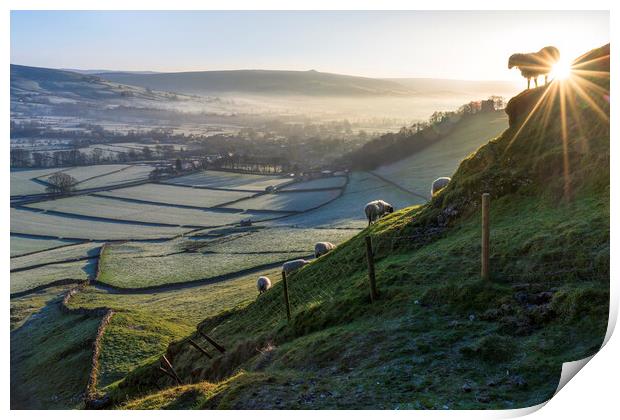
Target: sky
{"x": 470, "y": 45}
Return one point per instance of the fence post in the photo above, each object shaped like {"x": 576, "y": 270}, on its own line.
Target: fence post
{"x": 371, "y": 269}
{"x": 485, "y": 236}
{"x": 286, "y": 299}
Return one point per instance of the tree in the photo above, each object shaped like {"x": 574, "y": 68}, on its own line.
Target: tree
{"x": 178, "y": 165}
{"x": 61, "y": 183}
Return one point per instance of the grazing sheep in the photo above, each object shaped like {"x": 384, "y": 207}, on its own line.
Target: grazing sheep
{"x": 376, "y": 209}
{"x": 535, "y": 64}
{"x": 439, "y": 183}
{"x": 293, "y": 265}
{"x": 263, "y": 284}
{"x": 322, "y": 248}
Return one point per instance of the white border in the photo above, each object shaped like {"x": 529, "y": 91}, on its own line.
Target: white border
{"x": 593, "y": 394}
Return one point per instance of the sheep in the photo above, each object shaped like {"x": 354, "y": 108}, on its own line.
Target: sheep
{"x": 535, "y": 64}
{"x": 322, "y": 248}
{"x": 293, "y": 265}
{"x": 439, "y": 183}
{"x": 376, "y": 209}
{"x": 263, "y": 284}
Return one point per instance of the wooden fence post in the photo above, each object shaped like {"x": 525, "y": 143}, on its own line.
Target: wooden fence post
{"x": 287, "y": 302}
{"x": 371, "y": 269}
{"x": 485, "y": 236}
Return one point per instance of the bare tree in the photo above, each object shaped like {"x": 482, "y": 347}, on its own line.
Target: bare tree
{"x": 61, "y": 183}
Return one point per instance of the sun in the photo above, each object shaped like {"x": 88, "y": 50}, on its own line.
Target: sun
{"x": 561, "y": 70}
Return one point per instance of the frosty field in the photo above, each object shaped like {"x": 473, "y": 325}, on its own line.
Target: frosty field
{"x": 172, "y": 194}
{"x": 287, "y": 201}
{"x": 23, "y": 245}
{"x": 41, "y": 224}
{"x": 229, "y": 180}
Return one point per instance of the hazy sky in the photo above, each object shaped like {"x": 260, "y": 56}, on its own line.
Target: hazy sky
{"x": 457, "y": 45}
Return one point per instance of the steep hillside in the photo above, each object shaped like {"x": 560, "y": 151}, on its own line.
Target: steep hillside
{"x": 437, "y": 337}
{"x": 261, "y": 82}
{"x": 418, "y": 171}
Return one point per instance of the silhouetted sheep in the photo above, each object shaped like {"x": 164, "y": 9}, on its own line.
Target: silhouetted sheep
{"x": 263, "y": 284}
{"x": 294, "y": 265}
{"x": 439, "y": 183}
{"x": 535, "y": 64}
{"x": 377, "y": 208}
{"x": 322, "y": 248}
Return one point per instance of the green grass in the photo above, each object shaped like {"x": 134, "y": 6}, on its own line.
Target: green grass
{"x": 438, "y": 337}
{"x": 122, "y": 269}
{"x": 24, "y": 307}
{"x": 50, "y": 359}
{"x": 145, "y": 324}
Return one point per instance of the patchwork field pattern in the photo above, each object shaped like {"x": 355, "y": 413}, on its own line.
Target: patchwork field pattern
{"x": 348, "y": 210}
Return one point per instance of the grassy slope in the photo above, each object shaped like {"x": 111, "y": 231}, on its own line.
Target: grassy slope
{"x": 438, "y": 337}
{"x": 417, "y": 172}
{"x": 144, "y": 324}
{"x": 50, "y": 353}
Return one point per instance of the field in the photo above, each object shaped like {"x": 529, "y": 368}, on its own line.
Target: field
{"x": 22, "y": 281}
{"x": 229, "y": 180}
{"x": 169, "y": 194}
{"x": 298, "y": 201}
{"x": 417, "y": 172}
{"x": 82, "y": 173}
{"x": 41, "y": 224}
{"x": 107, "y": 208}
{"x": 24, "y": 245}
{"x": 81, "y": 250}
{"x": 321, "y": 183}
{"x": 348, "y": 210}
{"x": 23, "y": 183}
{"x": 50, "y": 354}
{"x": 187, "y": 273}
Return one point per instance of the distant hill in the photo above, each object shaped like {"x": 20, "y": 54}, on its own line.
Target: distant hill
{"x": 261, "y": 82}
{"x": 101, "y": 71}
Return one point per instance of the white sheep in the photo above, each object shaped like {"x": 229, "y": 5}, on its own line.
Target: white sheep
{"x": 377, "y": 208}
{"x": 322, "y": 248}
{"x": 439, "y": 183}
{"x": 293, "y": 265}
{"x": 263, "y": 284}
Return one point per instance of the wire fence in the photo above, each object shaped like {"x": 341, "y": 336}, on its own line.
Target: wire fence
{"x": 312, "y": 292}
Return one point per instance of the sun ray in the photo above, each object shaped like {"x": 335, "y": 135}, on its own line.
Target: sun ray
{"x": 529, "y": 116}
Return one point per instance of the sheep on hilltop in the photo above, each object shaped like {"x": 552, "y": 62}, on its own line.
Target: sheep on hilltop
{"x": 535, "y": 64}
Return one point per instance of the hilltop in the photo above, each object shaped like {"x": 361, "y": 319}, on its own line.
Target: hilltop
{"x": 437, "y": 337}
